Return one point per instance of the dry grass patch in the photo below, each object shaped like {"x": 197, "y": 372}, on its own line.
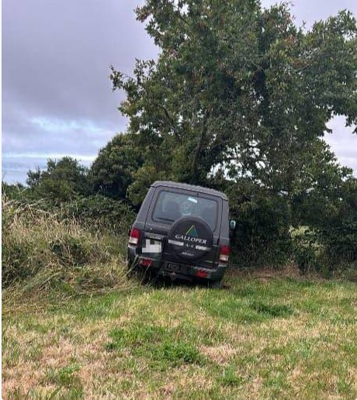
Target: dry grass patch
{"x": 279, "y": 339}
{"x": 43, "y": 253}
{"x": 219, "y": 354}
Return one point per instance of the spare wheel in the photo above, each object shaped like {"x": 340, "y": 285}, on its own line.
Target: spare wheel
{"x": 190, "y": 238}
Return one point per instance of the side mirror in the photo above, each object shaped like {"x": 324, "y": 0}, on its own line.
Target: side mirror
{"x": 232, "y": 224}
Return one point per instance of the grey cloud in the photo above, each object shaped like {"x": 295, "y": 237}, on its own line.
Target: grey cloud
{"x": 78, "y": 138}
{"x": 56, "y": 58}
{"x": 57, "y": 55}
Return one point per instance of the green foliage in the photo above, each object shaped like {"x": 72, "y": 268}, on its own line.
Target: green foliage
{"x": 99, "y": 213}
{"x": 230, "y": 378}
{"x": 72, "y": 251}
{"x": 261, "y": 237}
{"x": 179, "y": 352}
{"x": 61, "y": 181}
{"x": 65, "y": 376}
{"x": 96, "y": 212}
{"x": 338, "y": 231}
{"x": 43, "y": 250}
{"x": 113, "y": 170}
{"x": 239, "y": 99}
{"x": 306, "y": 258}
{"x": 331, "y": 243}
{"x": 13, "y": 191}
{"x": 77, "y": 245}
{"x": 238, "y": 88}
{"x": 306, "y": 250}
{"x": 144, "y": 177}
{"x": 323, "y": 187}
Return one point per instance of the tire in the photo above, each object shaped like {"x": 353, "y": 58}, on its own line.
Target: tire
{"x": 216, "y": 284}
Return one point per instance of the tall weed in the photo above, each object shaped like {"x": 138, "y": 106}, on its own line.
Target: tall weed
{"x": 43, "y": 250}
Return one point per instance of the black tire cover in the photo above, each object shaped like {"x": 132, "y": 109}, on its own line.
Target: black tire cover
{"x": 190, "y": 238}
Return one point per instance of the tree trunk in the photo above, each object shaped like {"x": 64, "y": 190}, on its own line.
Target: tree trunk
{"x": 197, "y": 156}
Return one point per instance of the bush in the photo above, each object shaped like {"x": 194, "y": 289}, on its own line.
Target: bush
{"x": 61, "y": 181}
{"x": 100, "y": 213}
{"x": 113, "y": 170}
{"x": 262, "y": 235}
{"x": 74, "y": 251}
{"x": 335, "y": 229}
{"x": 306, "y": 258}
{"x": 41, "y": 250}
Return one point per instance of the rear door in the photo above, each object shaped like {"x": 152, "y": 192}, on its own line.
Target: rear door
{"x": 170, "y": 204}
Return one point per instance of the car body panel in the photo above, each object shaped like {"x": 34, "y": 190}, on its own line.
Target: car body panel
{"x": 154, "y": 236}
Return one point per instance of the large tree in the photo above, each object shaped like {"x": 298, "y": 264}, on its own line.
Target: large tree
{"x": 238, "y": 90}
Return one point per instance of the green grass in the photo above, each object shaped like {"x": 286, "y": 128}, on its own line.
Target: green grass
{"x": 43, "y": 252}
{"x": 261, "y": 339}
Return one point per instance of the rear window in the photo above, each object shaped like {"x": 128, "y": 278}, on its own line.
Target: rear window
{"x": 170, "y": 206}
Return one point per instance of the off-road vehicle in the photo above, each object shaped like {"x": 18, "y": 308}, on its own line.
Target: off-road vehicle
{"x": 182, "y": 231}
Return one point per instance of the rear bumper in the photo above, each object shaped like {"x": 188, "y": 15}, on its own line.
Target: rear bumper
{"x": 176, "y": 270}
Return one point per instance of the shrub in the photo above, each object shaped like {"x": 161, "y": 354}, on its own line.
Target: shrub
{"x": 42, "y": 250}
{"x": 96, "y": 211}
{"x": 100, "y": 212}
{"x": 306, "y": 259}
{"x": 113, "y": 170}
{"x": 306, "y": 252}
{"x": 61, "y": 181}
{"x": 334, "y": 230}
{"x": 262, "y": 235}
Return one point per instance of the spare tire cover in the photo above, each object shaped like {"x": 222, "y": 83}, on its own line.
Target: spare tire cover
{"x": 190, "y": 238}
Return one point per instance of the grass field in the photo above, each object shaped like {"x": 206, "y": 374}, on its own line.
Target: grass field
{"x": 263, "y": 337}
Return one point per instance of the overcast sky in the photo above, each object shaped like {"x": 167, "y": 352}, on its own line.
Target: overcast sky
{"x": 57, "y": 97}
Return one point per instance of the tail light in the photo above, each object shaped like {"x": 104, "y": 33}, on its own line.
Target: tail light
{"x": 146, "y": 262}
{"x": 134, "y": 236}
{"x": 224, "y": 253}
{"x": 201, "y": 274}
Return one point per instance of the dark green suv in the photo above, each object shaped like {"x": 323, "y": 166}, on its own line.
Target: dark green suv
{"x": 182, "y": 231}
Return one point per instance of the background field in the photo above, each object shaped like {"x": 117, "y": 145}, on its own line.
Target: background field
{"x": 264, "y": 337}
{"x": 74, "y": 325}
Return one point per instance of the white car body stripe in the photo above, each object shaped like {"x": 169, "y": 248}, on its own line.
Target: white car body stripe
{"x": 202, "y": 248}
{"x": 175, "y": 242}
